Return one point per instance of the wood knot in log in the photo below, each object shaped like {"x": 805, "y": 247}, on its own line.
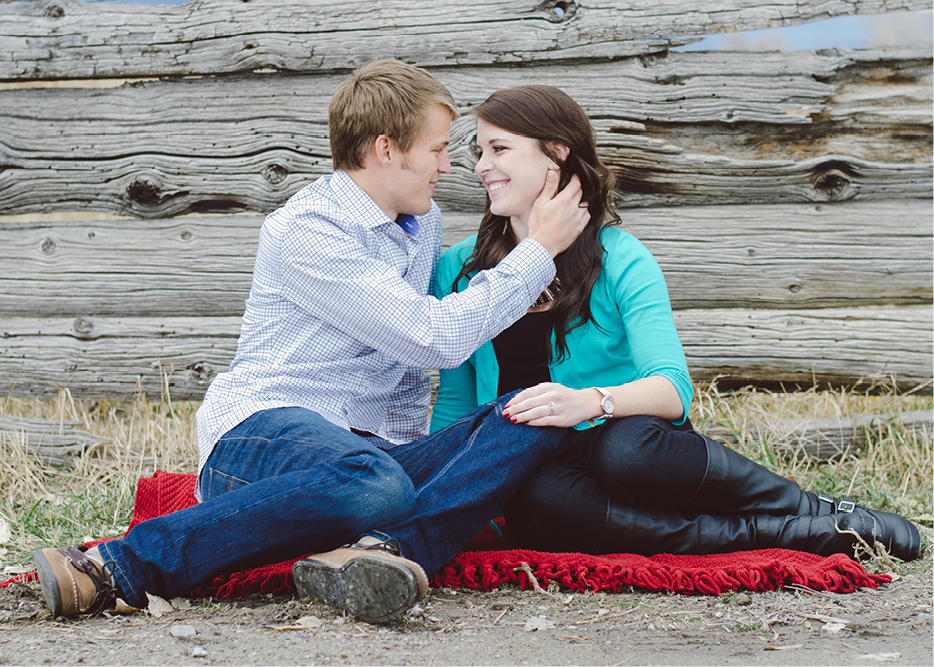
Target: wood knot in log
{"x": 145, "y": 190}
{"x": 832, "y": 181}
{"x": 558, "y": 11}
{"x": 275, "y": 173}
{"x": 83, "y": 325}
{"x": 54, "y": 12}
{"x": 201, "y": 373}
{"x": 48, "y": 246}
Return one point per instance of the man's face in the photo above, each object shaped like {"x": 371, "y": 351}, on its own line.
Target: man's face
{"x": 420, "y": 168}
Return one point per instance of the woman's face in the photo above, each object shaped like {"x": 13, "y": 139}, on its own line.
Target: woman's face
{"x": 512, "y": 168}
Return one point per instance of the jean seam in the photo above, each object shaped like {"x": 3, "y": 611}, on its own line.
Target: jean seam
{"x": 119, "y": 574}
{"x": 228, "y": 482}
{"x": 416, "y": 444}
{"x": 248, "y": 441}
{"x": 468, "y": 446}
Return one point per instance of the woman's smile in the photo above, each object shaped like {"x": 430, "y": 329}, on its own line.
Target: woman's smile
{"x": 494, "y": 186}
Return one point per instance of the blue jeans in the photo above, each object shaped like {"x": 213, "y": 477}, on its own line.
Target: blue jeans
{"x": 287, "y": 482}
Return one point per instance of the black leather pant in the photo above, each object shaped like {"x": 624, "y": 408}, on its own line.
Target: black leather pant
{"x": 638, "y": 461}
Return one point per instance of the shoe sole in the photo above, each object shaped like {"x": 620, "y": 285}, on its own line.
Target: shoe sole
{"x": 372, "y": 589}
{"x": 50, "y": 587}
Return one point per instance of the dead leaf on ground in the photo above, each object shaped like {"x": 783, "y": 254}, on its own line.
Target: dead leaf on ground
{"x": 832, "y": 628}
{"x": 183, "y": 631}
{"x": 827, "y": 619}
{"x": 304, "y": 623}
{"x": 882, "y": 657}
{"x": 538, "y": 623}
{"x": 123, "y": 609}
{"x": 157, "y": 606}
{"x": 310, "y": 621}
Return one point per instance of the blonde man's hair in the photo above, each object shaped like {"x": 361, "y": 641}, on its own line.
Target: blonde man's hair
{"x": 383, "y": 97}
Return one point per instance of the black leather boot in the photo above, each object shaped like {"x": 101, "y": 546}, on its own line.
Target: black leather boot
{"x": 737, "y": 485}
{"x": 900, "y": 537}
{"x": 651, "y": 532}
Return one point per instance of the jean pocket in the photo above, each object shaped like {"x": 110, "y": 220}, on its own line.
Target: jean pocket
{"x": 220, "y": 483}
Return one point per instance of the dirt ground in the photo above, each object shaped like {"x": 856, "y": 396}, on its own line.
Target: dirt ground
{"x": 891, "y": 624}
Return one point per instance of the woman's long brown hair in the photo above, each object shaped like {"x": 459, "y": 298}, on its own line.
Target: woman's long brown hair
{"x": 549, "y": 115}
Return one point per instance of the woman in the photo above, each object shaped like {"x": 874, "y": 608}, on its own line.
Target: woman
{"x": 599, "y": 352}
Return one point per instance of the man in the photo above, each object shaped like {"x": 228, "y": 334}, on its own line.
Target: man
{"x": 315, "y": 437}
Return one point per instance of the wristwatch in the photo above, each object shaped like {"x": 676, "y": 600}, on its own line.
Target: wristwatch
{"x": 607, "y": 404}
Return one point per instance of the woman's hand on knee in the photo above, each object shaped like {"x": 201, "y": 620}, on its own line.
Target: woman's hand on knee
{"x": 552, "y": 404}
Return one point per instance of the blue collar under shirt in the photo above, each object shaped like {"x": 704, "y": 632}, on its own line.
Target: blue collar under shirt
{"x": 408, "y": 223}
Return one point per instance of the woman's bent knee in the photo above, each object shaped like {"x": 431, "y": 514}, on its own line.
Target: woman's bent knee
{"x": 557, "y": 509}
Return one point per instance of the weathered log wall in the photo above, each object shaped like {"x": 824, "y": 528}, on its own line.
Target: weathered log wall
{"x": 162, "y": 148}
{"x": 755, "y": 257}
{"x": 787, "y": 196}
{"x": 63, "y": 39}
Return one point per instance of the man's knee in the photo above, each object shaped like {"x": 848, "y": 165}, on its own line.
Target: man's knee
{"x": 377, "y": 488}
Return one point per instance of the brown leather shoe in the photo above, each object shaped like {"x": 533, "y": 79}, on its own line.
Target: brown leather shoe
{"x": 370, "y": 579}
{"x": 72, "y": 583}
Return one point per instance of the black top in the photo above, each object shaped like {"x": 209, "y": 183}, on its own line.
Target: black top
{"x": 522, "y": 353}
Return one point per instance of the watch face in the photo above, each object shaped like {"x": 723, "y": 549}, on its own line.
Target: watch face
{"x": 607, "y": 404}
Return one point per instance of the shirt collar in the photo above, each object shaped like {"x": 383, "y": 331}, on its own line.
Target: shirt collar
{"x": 366, "y": 212}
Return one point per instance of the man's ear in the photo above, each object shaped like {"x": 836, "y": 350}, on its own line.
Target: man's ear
{"x": 383, "y": 150}
{"x": 560, "y": 150}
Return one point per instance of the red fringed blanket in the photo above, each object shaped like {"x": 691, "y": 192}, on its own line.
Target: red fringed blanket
{"x": 490, "y": 561}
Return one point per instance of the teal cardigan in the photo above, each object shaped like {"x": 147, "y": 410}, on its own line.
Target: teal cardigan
{"x": 633, "y": 335}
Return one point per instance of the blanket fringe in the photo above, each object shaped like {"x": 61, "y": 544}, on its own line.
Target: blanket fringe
{"x": 762, "y": 570}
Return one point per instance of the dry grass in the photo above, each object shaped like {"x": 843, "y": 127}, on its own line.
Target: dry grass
{"x": 893, "y": 472}
{"x": 92, "y": 497}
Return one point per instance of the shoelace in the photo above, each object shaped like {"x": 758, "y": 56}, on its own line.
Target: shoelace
{"x": 390, "y": 545}
{"x": 105, "y": 589}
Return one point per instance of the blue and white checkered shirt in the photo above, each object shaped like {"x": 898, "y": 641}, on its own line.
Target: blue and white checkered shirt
{"x": 339, "y": 319}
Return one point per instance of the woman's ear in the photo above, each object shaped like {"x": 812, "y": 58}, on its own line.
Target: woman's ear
{"x": 560, "y": 150}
